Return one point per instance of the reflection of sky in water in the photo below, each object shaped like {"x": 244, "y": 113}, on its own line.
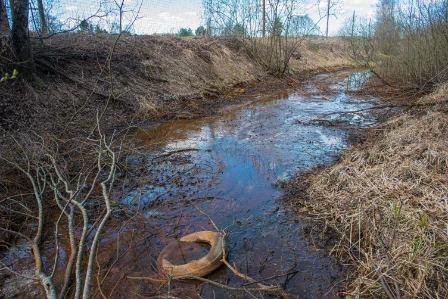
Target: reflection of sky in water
{"x": 331, "y": 140}
{"x": 240, "y": 154}
{"x": 230, "y": 167}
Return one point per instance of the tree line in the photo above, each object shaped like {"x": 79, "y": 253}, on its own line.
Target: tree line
{"x": 407, "y": 44}
{"x": 241, "y": 17}
{"x": 19, "y": 17}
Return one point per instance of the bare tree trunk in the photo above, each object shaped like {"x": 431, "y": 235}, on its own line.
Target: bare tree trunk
{"x": 264, "y": 18}
{"x": 4, "y": 27}
{"x": 120, "y": 11}
{"x": 121, "y": 19}
{"x": 208, "y": 31}
{"x": 328, "y": 17}
{"x": 20, "y": 35}
{"x": 43, "y": 21}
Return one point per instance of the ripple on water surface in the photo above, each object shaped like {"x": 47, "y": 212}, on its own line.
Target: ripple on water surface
{"x": 230, "y": 167}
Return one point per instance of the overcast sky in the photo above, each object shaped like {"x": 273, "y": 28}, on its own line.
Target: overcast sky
{"x": 170, "y": 15}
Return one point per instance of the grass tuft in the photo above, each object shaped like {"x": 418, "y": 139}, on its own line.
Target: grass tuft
{"x": 388, "y": 200}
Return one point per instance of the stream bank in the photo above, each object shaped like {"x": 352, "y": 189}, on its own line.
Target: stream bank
{"x": 388, "y": 200}
{"x": 232, "y": 167}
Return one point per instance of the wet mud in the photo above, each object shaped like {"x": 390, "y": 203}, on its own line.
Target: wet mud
{"x": 231, "y": 168}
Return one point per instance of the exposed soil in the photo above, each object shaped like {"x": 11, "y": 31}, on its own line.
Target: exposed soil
{"x": 232, "y": 167}
{"x": 153, "y": 79}
{"x": 145, "y": 78}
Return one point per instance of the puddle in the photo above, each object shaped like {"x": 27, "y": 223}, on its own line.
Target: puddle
{"x": 230, "y": 168}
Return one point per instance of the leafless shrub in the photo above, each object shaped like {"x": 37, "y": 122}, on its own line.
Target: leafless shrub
{"x": 78, "y": 188}
{"x": 271, "y": 33}
{"x": 407, "y": 45}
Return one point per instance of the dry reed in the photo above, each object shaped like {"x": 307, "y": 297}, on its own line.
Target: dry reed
{"x": 388, "y": 200}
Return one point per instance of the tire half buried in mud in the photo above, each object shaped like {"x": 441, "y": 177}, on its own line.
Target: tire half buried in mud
{"x": 199, "y": 267}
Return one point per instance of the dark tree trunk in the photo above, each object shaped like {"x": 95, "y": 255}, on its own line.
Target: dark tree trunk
{"x": 328, "y": 17}
{"x": 20, "y": 35}
{"x": 4, "y": 27}
{"x": 264, "y": 19}
{"x": 43, "y": 21}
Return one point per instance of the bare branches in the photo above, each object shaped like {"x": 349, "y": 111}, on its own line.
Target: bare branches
{"x": 106, "y": 194}
{"x": 72, "y": 192}
{"x": 271, "y": 32}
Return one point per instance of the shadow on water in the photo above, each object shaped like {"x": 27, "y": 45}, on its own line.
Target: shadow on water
{"x": 231, "y": 167}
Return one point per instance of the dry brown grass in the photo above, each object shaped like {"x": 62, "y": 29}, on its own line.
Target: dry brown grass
{"x": 321, "y": 54}
{"x": 301, "y": 55}
{"x": 150, "y": 77}
{"x": 388, "y": 200}
{"x": 438, "y": 99}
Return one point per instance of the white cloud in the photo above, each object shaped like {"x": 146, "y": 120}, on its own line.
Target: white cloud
{"x": 371, "y": 12}
{"x": 71, "y": 8}
{"x": 167, "y": 21}
{"x": 170, "y": 16}
{"x": 191, "y": 14}
{"x": 167, "y": 17}
{"x": 363, "y": 8}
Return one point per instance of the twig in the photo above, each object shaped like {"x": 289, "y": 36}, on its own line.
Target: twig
{"x": 272, "y": 277}
{"x": 226, "y": 287}
{"x": 176, "y": 152}
{"x": 261, "y": 287}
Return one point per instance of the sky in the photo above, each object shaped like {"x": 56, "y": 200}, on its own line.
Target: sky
{"x": 170, "y": 15}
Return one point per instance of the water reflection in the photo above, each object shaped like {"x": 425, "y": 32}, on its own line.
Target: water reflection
{"x": 236, "y": 160}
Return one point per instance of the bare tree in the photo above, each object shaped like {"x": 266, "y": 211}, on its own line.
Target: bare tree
{"x": 273, "y": 20}
{"x": 20, "y": 34}
{"x": 53, "y": 184}
{"x": 122, "y": 8}
{"x": 264, "y": 18}
{"x": 330, "y": 10}
{"x": 4, "y": 27}
{"x": 386, "y": 27}
{"x": 42, "y": 19}
{"x": 120, "y": 11}
{"x": 328, "y": 17}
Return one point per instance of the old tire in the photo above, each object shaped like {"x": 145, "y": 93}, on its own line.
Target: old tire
{"x": 200, "y": 267}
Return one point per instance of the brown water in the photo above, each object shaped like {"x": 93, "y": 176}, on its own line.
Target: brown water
{"x": 231, "y": 168}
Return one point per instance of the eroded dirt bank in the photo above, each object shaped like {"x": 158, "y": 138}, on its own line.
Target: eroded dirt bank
{"x": 144, "y": 77}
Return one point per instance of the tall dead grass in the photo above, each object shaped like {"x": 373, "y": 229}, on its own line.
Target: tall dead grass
{"x": 388, "y": 200}
{"x": 320, "y": 54}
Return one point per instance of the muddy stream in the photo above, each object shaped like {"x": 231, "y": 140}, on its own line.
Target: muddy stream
{"x": 232, "y": 168}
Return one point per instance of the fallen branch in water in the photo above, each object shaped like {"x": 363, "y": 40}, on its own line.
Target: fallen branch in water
{"x": 269, "y": 289}
{"x": 175, "y": 152}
